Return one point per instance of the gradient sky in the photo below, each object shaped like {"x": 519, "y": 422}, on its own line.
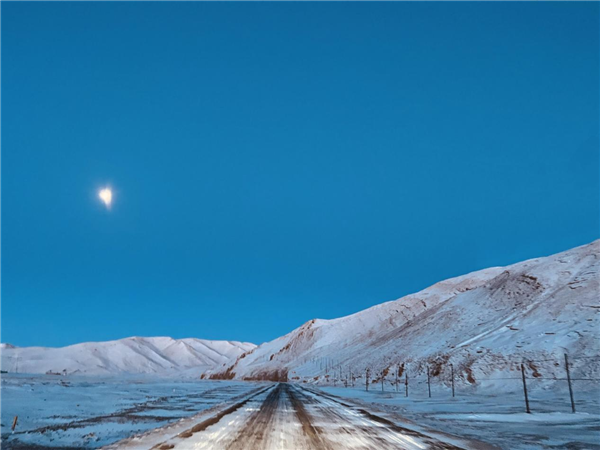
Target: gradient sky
{"x": 276, "y": 162}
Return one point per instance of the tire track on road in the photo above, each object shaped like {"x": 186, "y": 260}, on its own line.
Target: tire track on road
{"x": 210, "y": 421}
{"x": 253, "y": 434}
{"x": 315, "y": 437}
{"x": 366, "y": 429}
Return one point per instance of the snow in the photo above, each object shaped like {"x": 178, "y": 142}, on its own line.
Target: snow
{"x": 286, "y": 416}
{"x": 223, "y": 433}
{"x": 88, "y": 411}
{"x": 497, "y": 419}
{"x": 481, "y": 326}
{"x": 157, "y": 355}
{"x": 484, "y": 324}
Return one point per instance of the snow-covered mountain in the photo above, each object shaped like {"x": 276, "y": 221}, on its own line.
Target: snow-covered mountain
{"x": 484, "y": 324}
{"x": 135, "y": 355}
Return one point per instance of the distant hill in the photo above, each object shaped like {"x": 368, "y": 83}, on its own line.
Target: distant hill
{"x": 134, "y": 355}
{"x": 484, "y": 324}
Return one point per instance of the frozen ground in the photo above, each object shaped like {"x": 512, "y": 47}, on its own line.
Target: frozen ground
{"x": 497, "y": 419}
{"x": 144, "y": 413}
{"x": 285, "y": 416}
{"x": 86, "y": 412}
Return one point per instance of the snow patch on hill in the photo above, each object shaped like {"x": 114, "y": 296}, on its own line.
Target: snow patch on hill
{"x": 134, "y": 355}
{"x": 484, "y": 323}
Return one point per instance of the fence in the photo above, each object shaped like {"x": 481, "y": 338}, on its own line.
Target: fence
{"x": 398, "y": 378}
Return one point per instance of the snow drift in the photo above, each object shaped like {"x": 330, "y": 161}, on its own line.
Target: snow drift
{"x": 485, "y": 324}
{"x": 135, "y": 355}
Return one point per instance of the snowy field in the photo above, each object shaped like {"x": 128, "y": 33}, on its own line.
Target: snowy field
{"x": 86, "y": 412}
{"x": 498, "y": 419}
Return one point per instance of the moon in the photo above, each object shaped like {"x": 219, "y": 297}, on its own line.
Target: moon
{"x": 106, "y": 196}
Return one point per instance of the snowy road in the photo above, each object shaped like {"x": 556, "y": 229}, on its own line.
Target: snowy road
{"x": 286, "y": 416}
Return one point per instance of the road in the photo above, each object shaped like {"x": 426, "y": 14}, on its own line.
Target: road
{"x": 289, "y": 417}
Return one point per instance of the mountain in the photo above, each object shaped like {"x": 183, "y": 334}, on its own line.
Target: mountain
{"x": 134, "y": 355}
{"x": 484, "y": 324}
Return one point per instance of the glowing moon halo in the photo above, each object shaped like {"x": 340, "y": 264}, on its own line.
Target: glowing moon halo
{"x": 106, "y": 196}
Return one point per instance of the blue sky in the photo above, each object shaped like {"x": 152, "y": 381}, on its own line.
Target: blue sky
{"x": 276, "y": 162}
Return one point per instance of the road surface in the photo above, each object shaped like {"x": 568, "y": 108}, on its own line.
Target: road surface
{"x": 289, "y": 417}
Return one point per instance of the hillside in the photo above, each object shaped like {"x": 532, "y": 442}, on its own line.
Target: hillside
{"x": 135, "y": 355}
{"x": 484, "y": 324}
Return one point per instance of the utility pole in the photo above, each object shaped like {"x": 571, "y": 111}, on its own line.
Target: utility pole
{"x": 525, "y": 389}
{"x": 397, "y": 372}
{"x": 367, "y": 379}
{"x": 452, "y": 369}
{"x": 406, "y": 383}
{"x": 428, "y": 381}
{"x": 569, "y": 381}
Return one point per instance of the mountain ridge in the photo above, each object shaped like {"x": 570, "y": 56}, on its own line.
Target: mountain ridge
{"x": 483, "y": 323}
{"x": 161, "y": 355}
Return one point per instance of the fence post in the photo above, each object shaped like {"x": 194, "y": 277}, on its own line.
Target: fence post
{"x": 452, "y": 369}
{"x": 428, "y": 381}
{"x": 367, "y": 379}
{"x": 406, "y": 382}
{"x": 569, "y": 381}
{"x": 525, "y": 389}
